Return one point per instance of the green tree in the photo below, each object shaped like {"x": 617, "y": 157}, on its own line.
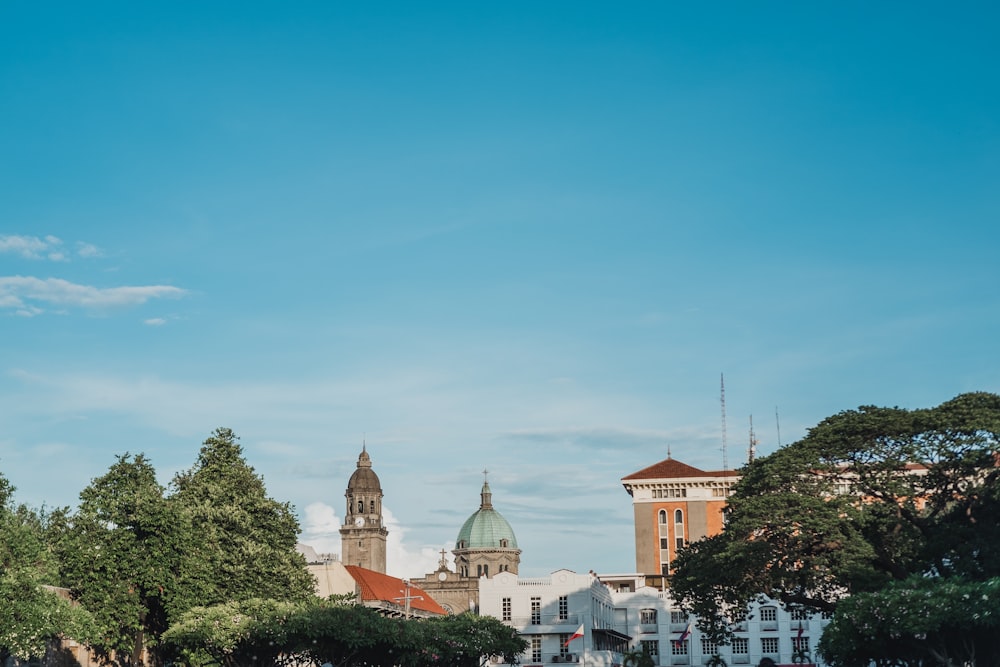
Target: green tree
{"x": 869, "y": 497}
{"x": 918, "y": 621}
{"x": 246, "y": 540}
{"x": 120, "y": 555}
{"x": 262, "y": 633}
{"x": 32, "y": 615}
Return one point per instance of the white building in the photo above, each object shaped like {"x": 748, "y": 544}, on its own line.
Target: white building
{"x": 620, "y": 613}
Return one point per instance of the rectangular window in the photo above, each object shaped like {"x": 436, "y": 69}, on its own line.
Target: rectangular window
{"x": 650, "y": 647}
{"x": 563, "y": 607}
{"x": 769, "y": 645}
{"x": 647, "y": 616}
{"x": 536, "y": 611}
{"x": 536, "y": 649}
{"x": 800, "y": 643}
{"x": 769, "y": 613}
{"x": 506, "y": 609}
{"x": 741, "y": 646}
{"x": 664, "y": 543}
{"x": 800, "y": 615}
{"x": 679, "y": 543}
{"x": 708, "y": 647}
{"x": 563, "y": 644}
{"x": 679, "y": 647}
{"x": 678, "y": 617}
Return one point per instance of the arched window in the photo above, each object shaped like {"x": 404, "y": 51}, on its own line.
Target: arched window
{"x": 663, "y": 516}
{"x": 678, "y": 529}
{"x": 678, "y": 516}
{"x": 361, "y": 506}
{"x": 503, "y": 543}
{"x": 373, "y": 507}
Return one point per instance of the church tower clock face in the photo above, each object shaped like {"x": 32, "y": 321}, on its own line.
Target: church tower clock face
{"x": 363, "y": 535}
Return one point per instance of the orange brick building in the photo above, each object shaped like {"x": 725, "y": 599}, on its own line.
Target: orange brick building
{"x": 674, "y": 504}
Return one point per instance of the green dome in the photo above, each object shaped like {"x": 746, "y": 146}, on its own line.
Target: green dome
{"x": 486, "y": 529}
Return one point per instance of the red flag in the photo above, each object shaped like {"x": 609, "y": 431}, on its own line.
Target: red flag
{"x": 799, "y": 636}
{"x": 575, "y": 635}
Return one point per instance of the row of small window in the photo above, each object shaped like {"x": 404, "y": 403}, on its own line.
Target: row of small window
{"x": 504, "y": 543}
{"x": 483, "y": 569}
{"x": 739, "y": 646}
{"x": 717, "y": 492}
{"x": 767, "y": 614}
{"x": 506, "y": 609}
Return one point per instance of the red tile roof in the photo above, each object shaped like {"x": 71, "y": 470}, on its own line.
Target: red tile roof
{"x": 375, "y": 586}
{"x": 674, "y": 469}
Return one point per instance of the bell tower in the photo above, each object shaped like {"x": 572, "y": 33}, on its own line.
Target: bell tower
{"x": 362, "y": 536}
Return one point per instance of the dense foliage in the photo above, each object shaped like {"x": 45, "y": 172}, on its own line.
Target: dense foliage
{"x": 870, "y": 497}
{"x": 139, "y": 558}
{"x": 261, "y": 633}
{"x": 31, "y": 614}
{"x": 120, "y": 554}
{"x": 246, "y": 540}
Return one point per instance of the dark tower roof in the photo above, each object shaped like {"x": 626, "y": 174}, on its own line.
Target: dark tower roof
{"x": 364, "y": 479}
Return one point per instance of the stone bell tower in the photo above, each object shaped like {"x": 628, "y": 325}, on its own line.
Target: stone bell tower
{"x": 363, "y": 536}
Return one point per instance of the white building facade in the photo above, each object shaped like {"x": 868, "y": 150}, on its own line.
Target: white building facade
{"x": 619, "y": 613}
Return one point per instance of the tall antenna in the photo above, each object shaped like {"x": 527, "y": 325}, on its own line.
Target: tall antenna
{"x": 722, "y": 401}
{"x": 777, "y": 422}
{"x": 752, "y": 450}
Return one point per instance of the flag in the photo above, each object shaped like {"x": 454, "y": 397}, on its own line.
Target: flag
{"x": 684, "y": 635}
{"x": 799, "y": 636}
{"x": 578, "y": 633}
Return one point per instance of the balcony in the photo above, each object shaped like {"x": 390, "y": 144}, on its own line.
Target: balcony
{"x": 544, "y": 623}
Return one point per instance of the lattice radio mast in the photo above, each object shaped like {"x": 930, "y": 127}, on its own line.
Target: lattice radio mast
{"x": 752, "y": 449}
{"x": 722, "y": 401}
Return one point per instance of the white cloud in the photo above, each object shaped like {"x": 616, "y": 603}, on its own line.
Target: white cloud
{"x": 321, "y": 531}
{"x": 88, "y": 250}
{"x": 155, "y": 321}
{"x": 31, "y": 247}
{"x": 20, "y": 291}
{"x": 47, "y": 247}
{"x": 321, "y": 528}
{"x": 405, "y": 560}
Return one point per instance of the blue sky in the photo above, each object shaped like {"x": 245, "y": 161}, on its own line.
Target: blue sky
{"x": 528, "y": 237}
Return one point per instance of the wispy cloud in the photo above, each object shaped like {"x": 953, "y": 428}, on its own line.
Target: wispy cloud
{"x": 47, "y": 247}
{"x": 88, "y": 250}
{"x": 23, "y": 293}
{"x": 592, "y": 438}
{"x": 33, "y": 247}
{"x": 154, "y": 321}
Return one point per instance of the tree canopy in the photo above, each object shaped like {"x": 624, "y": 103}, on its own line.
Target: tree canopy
{"x": 140, "y": 558}
{"x": 869, "y": 498}
{"x": 120, "y": 555}
{"x": 262, "y": 633}
{"x": 246, "y": 540}
{"x": 31, "y": 613}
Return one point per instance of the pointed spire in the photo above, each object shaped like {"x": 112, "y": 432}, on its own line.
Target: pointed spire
{"x": 486, "y": 496}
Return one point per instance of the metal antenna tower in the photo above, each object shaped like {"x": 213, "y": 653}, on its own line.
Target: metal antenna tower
{"x": 722, "y": 401}
{"x": 752, "y": 451}
{"x": 777, "y": 422}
